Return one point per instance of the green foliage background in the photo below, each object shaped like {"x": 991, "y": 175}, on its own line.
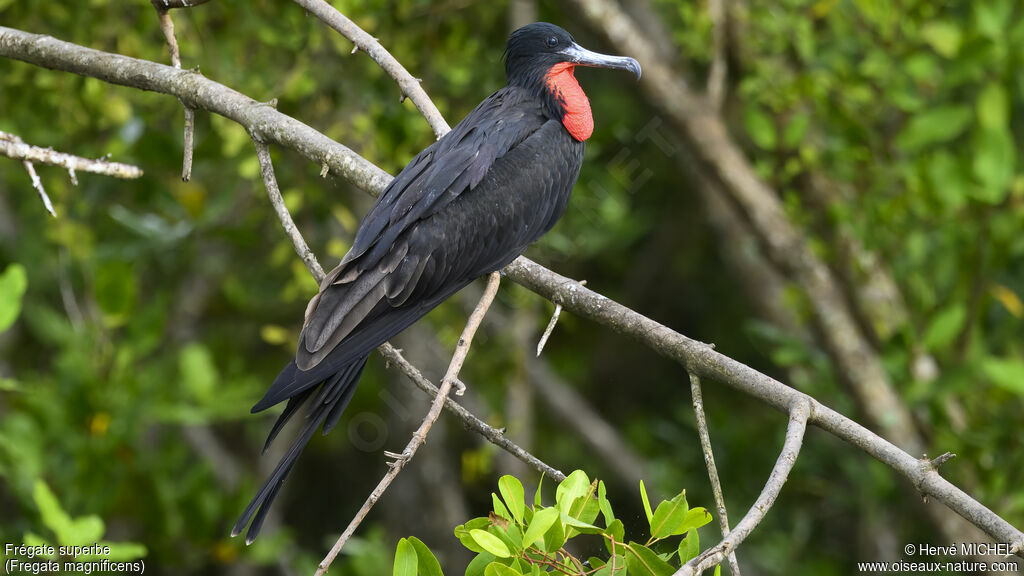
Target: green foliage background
{"x": 153, "y": 308}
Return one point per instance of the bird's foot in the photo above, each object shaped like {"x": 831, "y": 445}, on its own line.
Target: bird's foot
{"x": 398, "y": 460}
{"x": 460, "y": 387}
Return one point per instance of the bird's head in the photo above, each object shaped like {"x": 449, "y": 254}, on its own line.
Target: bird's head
{"x": 542, "y": 58}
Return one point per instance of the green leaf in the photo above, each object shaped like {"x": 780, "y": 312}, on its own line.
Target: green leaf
{"x": 116, "y": 290}
{"x": 1006, "y": 373}
{"x": 499, "y": 569}
{"x": 405, "y": 559}
{"x": 647, "y": 503}
{"x": 499, "y": 508}
{"x": 796, "y": 129}
{"x": 554, "y": 538}
{"x": 642, "y": 561}
{"x": 542, "y": 521}
{"x": 947, "y": 179}
{"x": 992, "y": 16}
{"x": 13, "y": 283}
{"x": 426, "y": 561}
{"x": 83, "y": 531}
{"x": 669, "y": 516}
{"x": 606, "y": 506}
{"x": 50, "y": 510}
{"x": 759, "y": 127}
{"x": 490, "y": 543}
{"x": 574, "y": 486}
{"x": 462, "y": 532}
{"x": 689, "y": 547}
{"x": 993, "y": 107}
{"x": 537, "y": 495}
{"x": 943, "y": 36}
{"x": 995, "y": 160}
{"x": 585, "y": 508}
{"x": 945, "y": 327}
{"x": 580, "y": 525}
{"x": 515, "y": 497}
{"x": 198, "y": 372}
{"x": 618, "y": 533}
{"x": 934, "y": 126}
{"x": 695, "y": 518}
{"x": 479, "y": 564}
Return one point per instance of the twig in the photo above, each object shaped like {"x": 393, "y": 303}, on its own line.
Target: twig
{"x": 718, "y": 74}
{"x": 798, "y": 416}
{"x": 551, "y": 328}
{"x": 471, "y": 422}
{"x": 14, "y": 147}
{"x": 38, "y": 185}
{"x": 274, "y": 192}
{"x": 709, "y": 460}
{"x": 421, "y": 433}
{"x": 410, "y": 86}
{"x": 167, "y": 26}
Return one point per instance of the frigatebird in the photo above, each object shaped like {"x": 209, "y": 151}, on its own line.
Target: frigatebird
{"x": 464, "y": 207}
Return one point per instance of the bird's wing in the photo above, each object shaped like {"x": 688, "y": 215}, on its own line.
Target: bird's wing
{"x": 380, "y": 266}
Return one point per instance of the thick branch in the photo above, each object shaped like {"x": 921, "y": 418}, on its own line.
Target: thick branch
{"x": 196, "y": 91}
{"x": 420, "y": 436}
{"x": 701, "y": 360}
{"x": 798, "y": 415}
{"x": 410, "y": 86}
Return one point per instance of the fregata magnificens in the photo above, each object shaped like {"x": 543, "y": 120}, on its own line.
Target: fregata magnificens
{"x": 464, "y": 207}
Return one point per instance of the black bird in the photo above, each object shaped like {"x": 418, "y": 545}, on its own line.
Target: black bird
{"x": 464, "y": 207}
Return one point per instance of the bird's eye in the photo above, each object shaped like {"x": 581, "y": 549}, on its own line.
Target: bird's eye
{"x": 552, "y": 42}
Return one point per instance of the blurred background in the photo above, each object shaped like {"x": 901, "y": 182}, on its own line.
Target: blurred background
{"x": 156, "y": 312}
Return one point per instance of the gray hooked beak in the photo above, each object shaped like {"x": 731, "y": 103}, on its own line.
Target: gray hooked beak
{"x": 580, "y": 56}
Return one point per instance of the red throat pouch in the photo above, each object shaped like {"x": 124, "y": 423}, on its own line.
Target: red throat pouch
{"x": 578, "y": 120}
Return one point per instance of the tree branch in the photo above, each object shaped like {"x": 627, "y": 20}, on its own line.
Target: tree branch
{"x": 410, "y": 86}
{"x": 13, "y": 147}
{"x": 718, "y": 74}
{"x": 709, "y": 461}
{"x": 420, "y": 436}
{"x": 701, "y": 360}
{"x": 196, "y": 91}
{"x": 798, "y": 416}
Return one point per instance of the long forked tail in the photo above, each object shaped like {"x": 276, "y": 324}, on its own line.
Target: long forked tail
{"x": 332, "y": 396}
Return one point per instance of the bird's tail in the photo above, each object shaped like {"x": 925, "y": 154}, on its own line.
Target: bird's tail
{"x": 332, "y": 396}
